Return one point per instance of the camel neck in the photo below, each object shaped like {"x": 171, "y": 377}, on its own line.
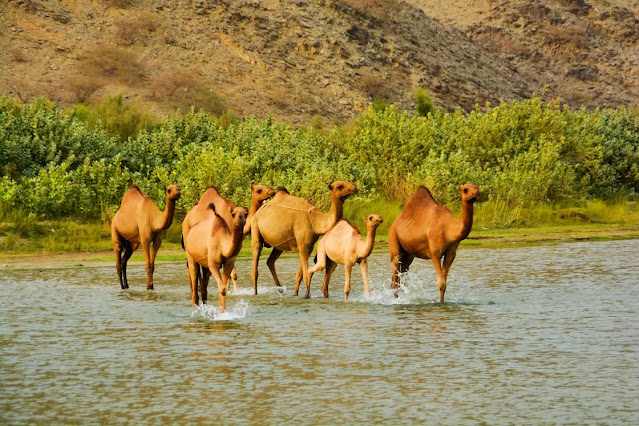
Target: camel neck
{"x": 165, "y": 220}
{"x": 367, "y": 246}
{"x": 466, "y": 219}
{"x": 255, "y": 205}
{"x": 323, "y": 222}
{"x": 235, "y": 240}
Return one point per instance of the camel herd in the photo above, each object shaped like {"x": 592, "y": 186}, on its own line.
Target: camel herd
{"x": 213, "y": 231}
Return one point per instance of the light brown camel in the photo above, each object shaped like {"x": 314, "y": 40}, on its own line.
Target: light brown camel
{"x": 344, "y": 244}
{"x": 139, "y": 221}
{"x": 292, "y": 223}
{"x": 428, "y": 230}
{"x": 199, "y": 212}
{"x": 212, "y": 245}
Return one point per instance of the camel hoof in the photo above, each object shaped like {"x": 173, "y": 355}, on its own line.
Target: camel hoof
{"x": 396, "y": 295}
{"x": 150, "y": 288}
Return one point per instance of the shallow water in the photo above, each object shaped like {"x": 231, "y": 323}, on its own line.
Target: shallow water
{"x": 545, "y": 334}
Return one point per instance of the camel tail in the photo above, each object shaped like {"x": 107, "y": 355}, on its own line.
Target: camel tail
{"x": 315, "y": 259}
{"x": 182, "y": 241}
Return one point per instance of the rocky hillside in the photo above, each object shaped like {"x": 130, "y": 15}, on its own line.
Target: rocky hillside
{"x": 295, "y": 59}
{"x": 586, "y": 51}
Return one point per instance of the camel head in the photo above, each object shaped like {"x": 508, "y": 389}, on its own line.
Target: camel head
{"x": 173, "y": 192}
{"x": 261, "y": 192}
{"x": 239, "y": 216}
{"x": 342, "y": 190}
{"x": 469, "y": 192}
{"x": 373, "y": 220}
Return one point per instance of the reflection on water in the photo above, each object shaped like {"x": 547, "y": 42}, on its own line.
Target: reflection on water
{"x": 528, "y": 335}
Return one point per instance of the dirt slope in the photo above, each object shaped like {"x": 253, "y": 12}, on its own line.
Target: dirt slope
{"x": 291, "y": 59}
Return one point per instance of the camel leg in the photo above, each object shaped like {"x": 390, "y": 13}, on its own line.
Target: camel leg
{"x": 234, "y": 279}
{"x": 441, "y": 282}
{"x": 214, "y": 267}
{"x": 321, "y": 259}
{"x": 449, "y": 257}
{"x": 128, "y": 252}
{"x": 256, "y": 244}
{"x": 270, "y": 262}
{"x": 193, "y": 278}
{"x": 363, "y": 266}
{"x": 146, "y": 248}
{"x": 227, "y": 271}
{"x": 157, "y": 242}
{"x": 405, "y": 260}
{"x": 118, "y": 242}
{"x": 395, "y": 256}
{"x": 305, "y": 252}
{"x": 298, "y": 278}
{"x": 204, "y": 284}
{"x": 348, "y": 268}
{"x": 330, "y": 267}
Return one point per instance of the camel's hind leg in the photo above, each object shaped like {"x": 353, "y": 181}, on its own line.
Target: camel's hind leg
{"x": 204, "y": 284}
{"x": 270, "y": 262}
{"x": 330, "y": 268}
{"x": 118, "y": 243}
{"x": 348, "y": 268}
{"x": 233, "y": 277}
{"x": 128, "y": 252}
{"x": 305, "y": 252}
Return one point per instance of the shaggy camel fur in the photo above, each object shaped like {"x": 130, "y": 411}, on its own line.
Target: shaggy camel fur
{"x": 344, "y": 244}
{"x": 201, "y": 211}
{"x": 139, "y": 221}
{"x": 292, "y": 223}
{"x": 212, "y": 245}
{"x": 428, "y": 230}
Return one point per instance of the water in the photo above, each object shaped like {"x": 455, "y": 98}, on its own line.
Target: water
{"x": 528, "y": 335}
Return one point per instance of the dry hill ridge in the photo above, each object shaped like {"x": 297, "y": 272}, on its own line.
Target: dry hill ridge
{"x": 291, "y": 59}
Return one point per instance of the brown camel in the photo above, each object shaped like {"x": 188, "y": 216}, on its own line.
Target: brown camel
{"x": 139, "y": 221}
{"x": 213, "y": 245}
{"x": 428, "y": 230}
{"x": 199, "y": 212}
{"x": 344, "y": 244}
{"x": 292, "y": 223}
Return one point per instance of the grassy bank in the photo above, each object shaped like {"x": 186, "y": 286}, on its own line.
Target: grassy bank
{"x": 22, "y": 235}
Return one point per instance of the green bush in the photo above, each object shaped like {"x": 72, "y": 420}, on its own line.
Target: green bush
{"x": 522, "y": 154}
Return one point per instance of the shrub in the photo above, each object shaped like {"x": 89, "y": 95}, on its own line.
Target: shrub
{"x": 423, "y": 103}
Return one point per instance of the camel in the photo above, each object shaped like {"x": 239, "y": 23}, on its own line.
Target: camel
{"x": 199, "y": 212}
{"x": 428, "y": 230}
{"x": 292, "y": 223}
{"x": 213, "y": 245}
{"x": 139, "y": 221}
{"x": 344, "y": 244}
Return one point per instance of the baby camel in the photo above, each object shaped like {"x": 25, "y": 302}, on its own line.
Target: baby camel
{"x": 139, "y": 221}
{"x": 212, "y": 245}
{"x": 344, "y": 244}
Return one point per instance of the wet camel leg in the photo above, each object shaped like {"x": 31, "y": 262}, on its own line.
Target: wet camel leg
{"x": 270, "y": 262}
{"x": 330, "y": 268}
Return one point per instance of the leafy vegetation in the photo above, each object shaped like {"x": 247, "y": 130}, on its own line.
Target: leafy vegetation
{"x": 528, "y": 157}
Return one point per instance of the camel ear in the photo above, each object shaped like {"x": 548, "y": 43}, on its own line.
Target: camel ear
{"x": 212, "y": 206}
{"x": 330, "y": 186}
{"x": 365, "y": 218}
{"x": 252, "y": 186}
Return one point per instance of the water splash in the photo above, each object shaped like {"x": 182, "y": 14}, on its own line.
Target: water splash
{"x": 238, "y": 311}
{"x": 261, "y": 290}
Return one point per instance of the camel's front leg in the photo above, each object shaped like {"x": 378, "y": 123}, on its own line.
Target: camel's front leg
{"x": 227, "y": 271}
{"x": 234, "y": 279}
{"x": 449, "y": 257}
{"x": 441, "y": 282}
{"x": 193, "y": 279}
{"x": 395, "y": 257}
{"x": 214, "y": 267}
{"x": 157, "y": 242}
{"x": 348, "y": 268}
{"x": 363, "y": 266}
{"x": 270, "y": 262}
{"x": 256, "y": 244}
{"x": 146, "y": 248}
{"x": 299, "y": 275}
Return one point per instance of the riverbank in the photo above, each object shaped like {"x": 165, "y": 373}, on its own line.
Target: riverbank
{"x": 102, "y": 254}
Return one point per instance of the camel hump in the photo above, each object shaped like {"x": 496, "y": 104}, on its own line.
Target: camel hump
{"x": 421, "y": 196}
{"x": 354, "y": 228}
{"x": 290, "y": 201}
